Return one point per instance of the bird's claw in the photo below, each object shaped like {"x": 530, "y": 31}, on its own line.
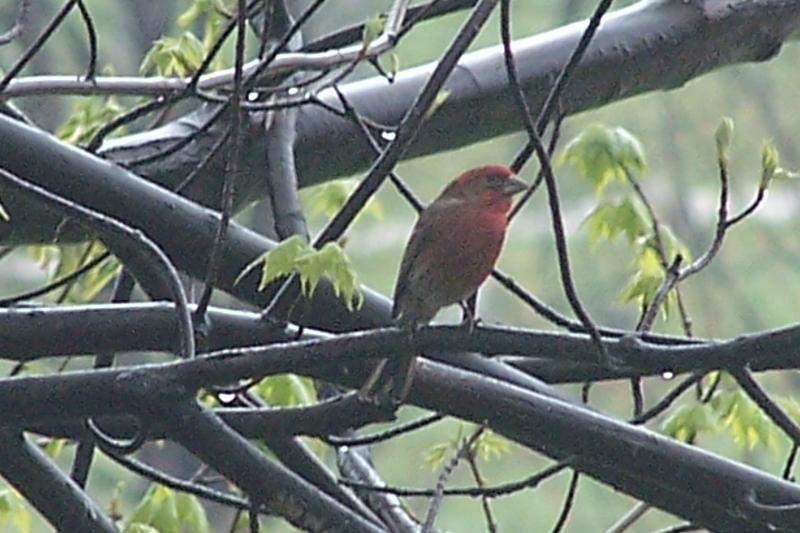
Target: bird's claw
{"x": 470, "y": 323}
{"x": 382, "y": 399}
{"x": 382, "y": 388}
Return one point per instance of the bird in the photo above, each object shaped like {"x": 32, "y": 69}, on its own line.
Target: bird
{"x": 451, "y": 251}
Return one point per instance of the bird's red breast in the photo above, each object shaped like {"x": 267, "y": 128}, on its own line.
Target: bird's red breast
{"x": 455, "y": 243}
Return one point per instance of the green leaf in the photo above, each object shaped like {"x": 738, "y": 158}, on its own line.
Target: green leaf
{"x": 332, "y": 262}
{"x": 157, "y": 509}
{"x": 373, "y": 27}
{"x": 743, "y": 419}
{"x": 278, "y": 262}
{"x": 723, "y": 137}
{"x": 327, "y": 198}
{"x": 213, "y": 13}
{"x": 174, "y": 56}
{"x": 54, "y": 447}
{"x": 645, "y": 281}
{"x": 490, "y": 444}
{"x": 436, "y": 454}
{"x": 602, "y": 155}
{"x": 296, "y": 255}
{"x": 769, "y": 164}
{"x": 87, "y": 116}
{"x": 14, "y": 511}
{"x": 191, "y": 513}
{"x": 286, "y": 390}
{"x": 68, "y": 258}
{"x": 199, "y": 8}
{"x": 610, "y": 219}
{"x": 5, "y": 504}
{"x": 687, "y": 421}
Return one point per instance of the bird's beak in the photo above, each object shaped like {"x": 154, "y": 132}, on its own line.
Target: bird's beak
{"x": 513, "y": 186}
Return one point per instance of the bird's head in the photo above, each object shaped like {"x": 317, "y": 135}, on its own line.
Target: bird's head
{"x": 490, "y": 186}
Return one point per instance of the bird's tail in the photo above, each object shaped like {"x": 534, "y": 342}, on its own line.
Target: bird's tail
{"x": 391, "y": 379}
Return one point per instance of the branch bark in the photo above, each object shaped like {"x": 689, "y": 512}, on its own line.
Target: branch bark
{"x": 51, "y": 491}
{"x": 649, "y": 46}
{"x": 692, "y": 483}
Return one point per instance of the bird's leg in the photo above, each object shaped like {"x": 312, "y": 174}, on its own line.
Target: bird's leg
{"x": 390, "y": 381}
{"x": 468, "y": 318}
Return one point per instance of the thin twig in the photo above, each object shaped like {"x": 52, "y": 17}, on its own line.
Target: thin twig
{"x": 203, "y": 163}
{"x": 722, "y": 225}
{"x": 751, "y": 387}
{"x": 568, "y": 502}
{"x": 91, "y": 33}
{"x": 713, "y": 388}
{"x": 473, "y": 492}
{"x": 157, "y": 262}
{"x": 788, "y": 468}
{"x": 559, "y": 232}
{"x": 444, "y": 475}
{"x": 181, "y": 485}
{"x": 667, "y": 400}
{"x": 85, "y": 450}
{"x": 385, "y": 435}
{"x": 555, "y": 135}
{"x": 660, "y": 249}
{"x": 71, "y": 284}
{"x": 637, "y": 394}
{"x": 563, "y": 78}
{"x": 684, "y": 528}
{"x": 486, "y": 504}
{"x": 127, "y": 117}
{"x": 630, "y": 518}
{"x": 249, "y": 78}
{"x": 671, "y": 277}
{"x": 232, "y": 172}
{"x": 19, "y": 24}
{"x": 747, "y": 211}
{"x": 55, "y": 284}
{"x": 37, "y": 44}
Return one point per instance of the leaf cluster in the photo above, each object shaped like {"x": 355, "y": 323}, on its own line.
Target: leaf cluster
{"x": 729, "y": 410}
{"x": 295, "y": 256}
{"x": 163, "y": 509}
{"x": 605, "y": 156}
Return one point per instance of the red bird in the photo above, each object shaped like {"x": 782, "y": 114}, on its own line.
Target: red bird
{"x": 452, "y": 250}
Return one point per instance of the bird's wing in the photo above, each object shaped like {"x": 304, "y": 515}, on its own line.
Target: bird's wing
{"x": 424, "y": 230}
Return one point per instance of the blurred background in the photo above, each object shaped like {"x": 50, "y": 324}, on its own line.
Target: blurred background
{"x": 754, "y": 283}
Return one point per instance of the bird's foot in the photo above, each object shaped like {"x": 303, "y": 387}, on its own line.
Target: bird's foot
{"x": 468, "y": 321}
{"x": 382, "y": 400}
{"x": 388, "y": 384}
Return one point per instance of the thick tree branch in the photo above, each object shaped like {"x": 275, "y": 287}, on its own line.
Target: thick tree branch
{"x": 49, "y": 489}
{"x": 264, "y": 481}
{"x": 646, "y": 47}
{"x": 603, "y": 446}
{"x": 121, "y": 328}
